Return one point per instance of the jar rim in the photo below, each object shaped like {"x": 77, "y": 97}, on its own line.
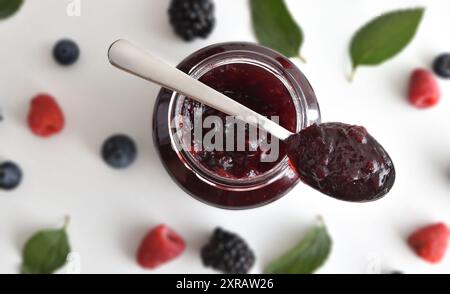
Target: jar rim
{"x": 273, "y": 67}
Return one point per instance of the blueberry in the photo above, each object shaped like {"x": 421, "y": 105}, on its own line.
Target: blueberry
{"x": 119, "y": 151}
{"x": 10, "y": 176}
{"x": 66, "y": 52}
{"x": 441, "y": 65}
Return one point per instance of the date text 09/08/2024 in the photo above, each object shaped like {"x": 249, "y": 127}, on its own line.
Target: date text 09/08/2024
{"x": 226, "y": 284}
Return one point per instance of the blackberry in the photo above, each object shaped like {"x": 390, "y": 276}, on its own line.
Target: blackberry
{"x": 227, "y": 253}
{"x": 192, "y": 18}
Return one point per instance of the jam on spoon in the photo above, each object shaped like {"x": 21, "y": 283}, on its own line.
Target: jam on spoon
{"x": 342, "y": 161}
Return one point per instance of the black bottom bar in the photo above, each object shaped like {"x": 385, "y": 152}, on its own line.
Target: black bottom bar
{"x": 220, "y": 283}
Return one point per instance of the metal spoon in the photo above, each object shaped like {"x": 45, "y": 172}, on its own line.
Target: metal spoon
{"x": 132, "y": 59}
{"x": 141, "y": 63}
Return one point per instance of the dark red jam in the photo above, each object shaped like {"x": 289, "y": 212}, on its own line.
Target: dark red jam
{"x": 342, "y": 161}
{"x": 257, "y": 89}
{"x": 259, "y": 78}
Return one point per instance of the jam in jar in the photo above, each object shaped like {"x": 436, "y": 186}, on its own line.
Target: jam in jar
{"x": 234, "y": 178}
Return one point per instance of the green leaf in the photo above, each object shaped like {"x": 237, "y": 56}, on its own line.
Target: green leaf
{"x": 45, "y": 252}
{"x": 309, "y": 255}
{"x": 9, "y": 7}
{"x": 275, "y": 28}
{"x": 384, "y": 37}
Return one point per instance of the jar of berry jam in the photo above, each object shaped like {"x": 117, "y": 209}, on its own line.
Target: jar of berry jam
{"x": 258, "y": 78}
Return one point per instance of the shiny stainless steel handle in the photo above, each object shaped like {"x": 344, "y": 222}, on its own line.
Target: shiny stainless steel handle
{"x": 128, "y": 57}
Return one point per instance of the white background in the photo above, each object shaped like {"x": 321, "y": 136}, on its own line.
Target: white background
{"x": 112, "y": 210}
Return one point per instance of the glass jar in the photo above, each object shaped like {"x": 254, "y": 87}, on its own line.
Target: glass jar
{"x": 275, "y": 86}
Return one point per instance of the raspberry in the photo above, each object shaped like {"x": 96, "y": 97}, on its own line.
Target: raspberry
{"x": 430, "y": 242}
{"x": 423, "y": 90}
{"x": 159, "y": 246}
{"x": 45, "y": 117}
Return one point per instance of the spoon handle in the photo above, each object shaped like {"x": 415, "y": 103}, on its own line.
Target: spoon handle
{"x": 126, "y": 56}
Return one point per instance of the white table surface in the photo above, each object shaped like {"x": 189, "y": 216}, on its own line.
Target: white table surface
{"x": 111, "y": 210}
